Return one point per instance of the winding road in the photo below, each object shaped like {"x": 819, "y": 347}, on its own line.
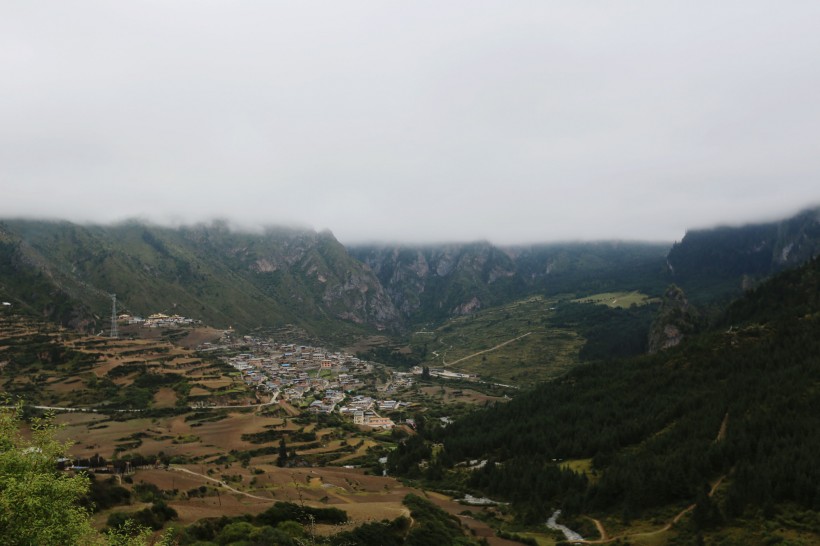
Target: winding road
{"x": 606, "y": 539}
{"x": 261, "y": 405}
{"x": 86, "y": 410}
{"x": 219, "y": 482}
{"x": 104, "y": 409}
{"x": 462, "y": 359}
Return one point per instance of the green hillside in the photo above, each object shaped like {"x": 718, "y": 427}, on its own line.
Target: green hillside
{"x": 207, "y": 272}
{"x": 537, "y": 338}
{"x": 515, "y": 343}
{"x": 436, "y": 282}
{"x": 721, "y": 262}
{"x": 733, "y": 410}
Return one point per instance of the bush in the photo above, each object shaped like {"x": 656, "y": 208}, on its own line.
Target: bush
{"x": 154, "y": 517}
{"x": 284, "y": 511}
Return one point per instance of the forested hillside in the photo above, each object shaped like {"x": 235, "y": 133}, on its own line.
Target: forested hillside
{"x": 207, "y": 272}
{"x": 66, "y": 272}
{"x": 714, "y": 263}
{"x": 436, "y": 282}
{"x": 737, "y": 405}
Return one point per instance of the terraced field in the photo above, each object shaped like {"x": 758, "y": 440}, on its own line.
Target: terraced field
{"x": 513, "y": 343}
{"x": 46, "y": 365}
{"x": 622, "y": 300}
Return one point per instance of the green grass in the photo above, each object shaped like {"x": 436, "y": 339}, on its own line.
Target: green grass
{"x": 651, "y": 539}
{"x": 542, "y": 352}
{"x": 581, "y": 466}
{"x": 541, "y": 539}
{"x": 624, "y": 300}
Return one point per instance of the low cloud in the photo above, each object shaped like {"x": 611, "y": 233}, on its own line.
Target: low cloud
{"x": 420, "y": 122}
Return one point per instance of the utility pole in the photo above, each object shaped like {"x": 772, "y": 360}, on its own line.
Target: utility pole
{"x": 114, "y": 333}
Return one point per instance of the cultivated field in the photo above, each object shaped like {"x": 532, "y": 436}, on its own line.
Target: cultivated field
{"x": 207, "y": 461}
{"x": 49, "y": 366}
{"x": 511, "y": 344}
{"x": 232, "y": 487}
{"x": 624, "y": 300}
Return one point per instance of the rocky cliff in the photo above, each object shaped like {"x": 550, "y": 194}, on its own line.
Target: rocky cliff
{"x": 437, "y": 281}
{"x": 674, "y": 320}
{"x": 207, "y": 272}
{"x": 443, "y": 280}
{"x": 283, "y": 276}
{"x": 723, "y": 261}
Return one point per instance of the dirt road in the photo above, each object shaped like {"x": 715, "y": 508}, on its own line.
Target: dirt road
{"x": 220, "y": 482}
{"x": 485, "y": 350}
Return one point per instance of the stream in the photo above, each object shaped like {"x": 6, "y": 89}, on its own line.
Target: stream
{"x": 569, "y": 534}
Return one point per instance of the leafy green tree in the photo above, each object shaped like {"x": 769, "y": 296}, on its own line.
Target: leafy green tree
{"x": 38, "y": 504}
{"x": 235, "y": 532}
{"x": 291, "y": 529}
{"x": 41, "y": 505}
{"x": 283, "y": 453}
{"x": 129, "y": 533}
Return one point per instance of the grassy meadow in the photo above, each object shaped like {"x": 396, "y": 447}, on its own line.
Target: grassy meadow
{"x": 621, "y": 300}
{"x": 513, "y": 344}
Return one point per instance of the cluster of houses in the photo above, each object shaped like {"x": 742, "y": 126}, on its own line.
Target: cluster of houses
{"x": 363, "y": 410}
{"x": 402, "y": 380}
{"x": 158, "y": 320}
{"x": 447, "y": 374}
{"x": 328, "y": 401}
{"x": 371, "y": 419}
{"x": 294, "y": 371}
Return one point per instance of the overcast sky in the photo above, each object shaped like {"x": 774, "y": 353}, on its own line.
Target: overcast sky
{"x": 412, "y": 121}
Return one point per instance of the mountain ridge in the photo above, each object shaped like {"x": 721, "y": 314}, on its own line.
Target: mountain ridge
{"x": 206, "y": 272}
{"x": 729, "y": 411}
{"x": 280, "y": 275}
{"x": 726, "y": 260}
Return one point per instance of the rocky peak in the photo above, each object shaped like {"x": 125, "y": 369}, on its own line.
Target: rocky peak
{"x": 675, "y": 319}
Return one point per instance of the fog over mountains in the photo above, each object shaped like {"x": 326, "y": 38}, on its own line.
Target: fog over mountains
{"x": 413, "y": 122}
{"x": 284, "y": 276}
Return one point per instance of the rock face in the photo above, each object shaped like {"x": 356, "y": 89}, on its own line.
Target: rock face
{"x": 286, "y": 276}
{"x": 431, "y": 282}
{"x": 675, "y": 320}
{"x": 291, "y": 276}
{"x": 207, "y": 272}
{"x": 318, "y": 270}
{"x": 723, "y": 261}
{"x": 438, "y": 281}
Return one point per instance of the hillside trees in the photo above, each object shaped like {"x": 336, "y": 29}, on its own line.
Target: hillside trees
{"x": 38, "y": 505}
{"x": 738, "y": 403}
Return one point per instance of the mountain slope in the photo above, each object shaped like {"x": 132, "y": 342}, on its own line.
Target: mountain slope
{"x": 206, "y": 272}
{"x": 738, "y": 406}
{"x": 723, "y": 261}
{"x": 279, "y": 276}
{"x": 435, "y": 282}
{"x": 283, "y": 276}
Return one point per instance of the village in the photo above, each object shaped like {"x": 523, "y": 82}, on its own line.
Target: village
{"x": 157, "y": 320}
{"x": 312, "y": 378}
{"x": 318, "y": 380}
